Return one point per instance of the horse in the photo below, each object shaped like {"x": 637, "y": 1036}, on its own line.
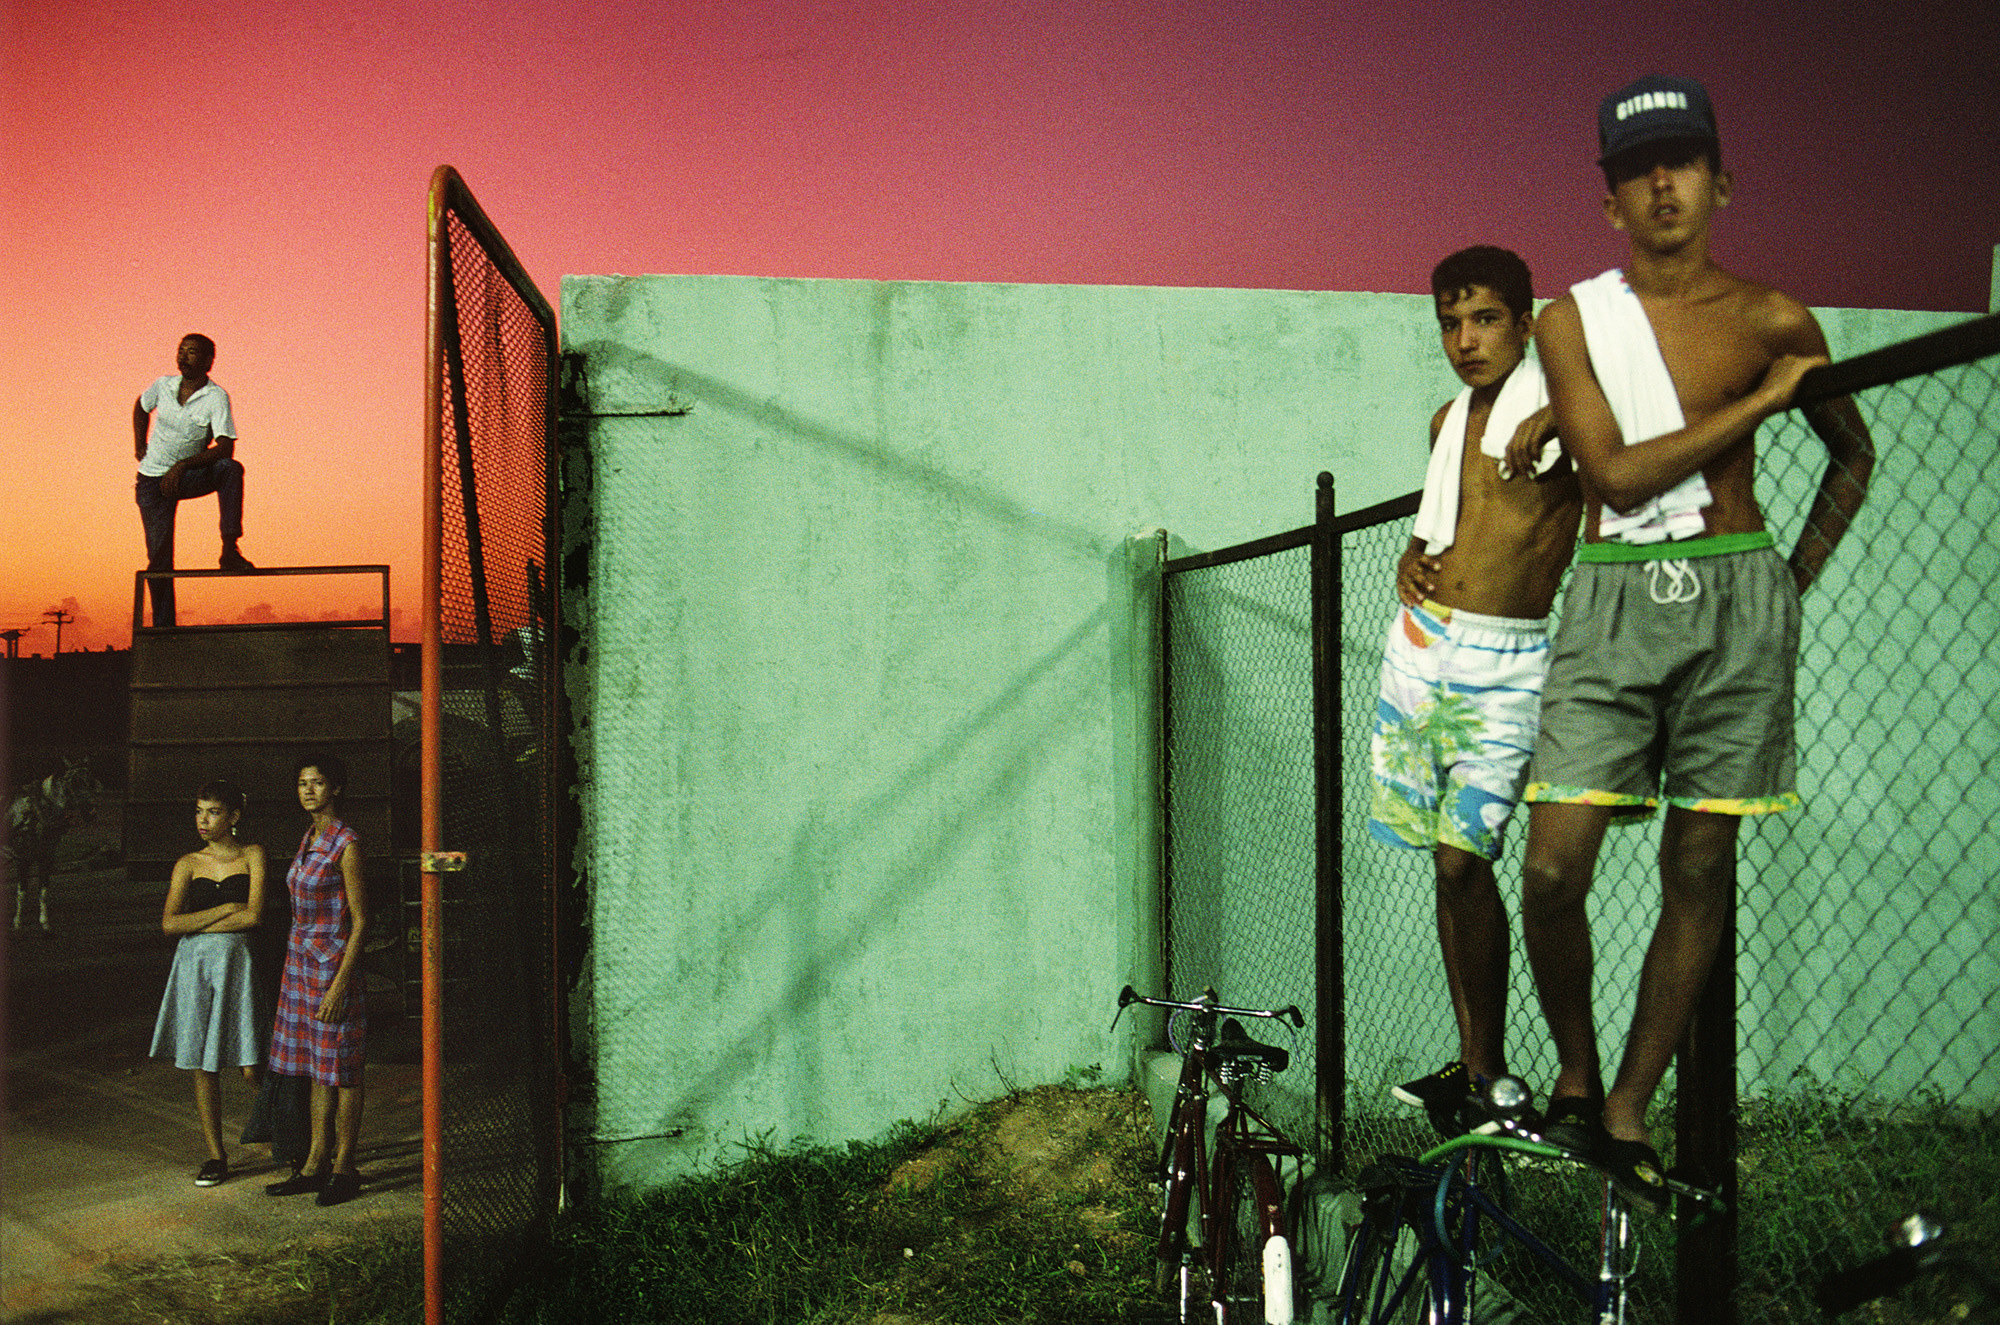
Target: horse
{"x": 37, "y": 817}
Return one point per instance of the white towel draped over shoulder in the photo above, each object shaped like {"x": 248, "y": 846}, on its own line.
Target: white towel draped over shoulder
{"x": 1521, "y": 394}
{"x": 1625, "y": 355}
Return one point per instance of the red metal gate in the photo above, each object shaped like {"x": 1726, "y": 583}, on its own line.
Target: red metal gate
{"x": 492, "y": 831}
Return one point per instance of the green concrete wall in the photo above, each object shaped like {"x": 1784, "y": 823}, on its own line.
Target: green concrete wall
{"x": 866, "y": 815}
{"x": 866, "y": 703}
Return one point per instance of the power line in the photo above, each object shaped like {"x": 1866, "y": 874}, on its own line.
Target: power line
{"x": 60, "y": 616}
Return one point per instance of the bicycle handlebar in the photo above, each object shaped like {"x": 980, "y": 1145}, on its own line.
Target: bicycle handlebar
{"x": 1920, "y": 1249}
{"x": 1207, "y": 1003}
{"x": 1498, "y": 1141}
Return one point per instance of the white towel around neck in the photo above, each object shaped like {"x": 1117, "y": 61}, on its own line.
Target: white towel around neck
{"x": 1521, "y": 394}
{"x": 1625, "y": 355}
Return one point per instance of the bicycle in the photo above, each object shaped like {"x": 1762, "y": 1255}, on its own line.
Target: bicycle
{"x": 1921, "y": 1249}
{"x": 1223, "y": 1203}
{"x": 1431, "y": 1226}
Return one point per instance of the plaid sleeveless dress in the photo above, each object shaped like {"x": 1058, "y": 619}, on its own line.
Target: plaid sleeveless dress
{"x": 301, "y": 1045}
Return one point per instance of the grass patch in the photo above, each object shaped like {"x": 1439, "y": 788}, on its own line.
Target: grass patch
{"x": 1825, "y": 1172}
{"x": 1040, "y": 1207}
{"x": 378, "y": 1280}
{"x": 1032, "y": 1208}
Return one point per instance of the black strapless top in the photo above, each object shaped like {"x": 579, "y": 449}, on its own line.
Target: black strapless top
{"x": 205, "y": 893}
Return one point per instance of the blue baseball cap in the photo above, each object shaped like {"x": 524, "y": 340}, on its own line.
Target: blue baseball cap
{"x": 1652, "y": 108}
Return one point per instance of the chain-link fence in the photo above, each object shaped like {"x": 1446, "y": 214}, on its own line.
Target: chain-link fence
{"x": 1867, "y": 1009}
{"x": 1241, "y": 810}
{"x": 1869, "y": 973}
{"x": 492, "y": 790}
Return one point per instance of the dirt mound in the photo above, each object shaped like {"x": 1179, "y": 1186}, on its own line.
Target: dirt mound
{"x": 1037, "y": 1206}
{"x": 1049, "y": 1143}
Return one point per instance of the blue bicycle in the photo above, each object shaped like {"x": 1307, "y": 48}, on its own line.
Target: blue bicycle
{"x": 1433, "y": 1228}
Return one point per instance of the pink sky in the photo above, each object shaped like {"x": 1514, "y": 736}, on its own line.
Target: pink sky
{"x": 258, "y": 172}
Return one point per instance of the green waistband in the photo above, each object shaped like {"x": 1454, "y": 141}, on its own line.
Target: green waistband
{"x": 1716, "y": 546}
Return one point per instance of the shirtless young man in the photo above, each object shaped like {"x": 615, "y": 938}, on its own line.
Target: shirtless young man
{"x": 1673, "y": 668}
{"x": 1462, "y": 670}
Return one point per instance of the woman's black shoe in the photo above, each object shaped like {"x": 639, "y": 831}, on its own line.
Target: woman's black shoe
{"x": 340, "y": 1187}
{"x": 298, "y": 1184}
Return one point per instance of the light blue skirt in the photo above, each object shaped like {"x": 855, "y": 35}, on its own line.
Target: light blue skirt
{"x": 206, "y": 1020}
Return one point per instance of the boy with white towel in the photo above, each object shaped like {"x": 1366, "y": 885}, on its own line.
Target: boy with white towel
{"x": 1463, "y": 666}
{"x": 1673, "y": 668}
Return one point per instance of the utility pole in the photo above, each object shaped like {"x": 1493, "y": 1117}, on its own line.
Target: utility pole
{"x": 59, "y": 616}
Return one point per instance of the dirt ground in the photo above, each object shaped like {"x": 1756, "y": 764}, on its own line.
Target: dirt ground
{"x": 102, "y": 1143}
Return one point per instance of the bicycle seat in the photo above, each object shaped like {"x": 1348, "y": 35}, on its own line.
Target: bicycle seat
{"x": 1234, "y": 1048}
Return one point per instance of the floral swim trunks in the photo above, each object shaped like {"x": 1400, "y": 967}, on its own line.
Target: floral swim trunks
{"x": 1460, "y": 708}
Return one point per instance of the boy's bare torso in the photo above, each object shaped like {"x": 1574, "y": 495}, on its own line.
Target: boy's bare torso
{"x": 1515, "y": 536}
{"x": 1718, "y": 342}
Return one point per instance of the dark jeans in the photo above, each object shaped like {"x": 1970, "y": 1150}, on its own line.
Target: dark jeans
{"x": 224, "y": 478}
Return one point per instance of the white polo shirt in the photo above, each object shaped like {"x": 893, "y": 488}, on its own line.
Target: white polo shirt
{"x": 180, "y": 431}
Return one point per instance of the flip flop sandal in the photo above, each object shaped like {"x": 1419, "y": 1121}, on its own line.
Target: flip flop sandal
{"x": 1575, "y": 1122}
{"x": 1634, "y": 1169}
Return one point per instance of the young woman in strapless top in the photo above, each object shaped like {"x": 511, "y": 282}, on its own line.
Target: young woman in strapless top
{"x": 207, "y": 1022}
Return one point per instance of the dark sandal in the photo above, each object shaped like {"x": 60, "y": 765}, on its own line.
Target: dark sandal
{"x": 1575, "y": 1122}
{"x": 1634, "y": 1169}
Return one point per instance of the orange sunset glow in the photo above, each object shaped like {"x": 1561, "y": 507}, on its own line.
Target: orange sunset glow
{"x": 257, "y": 172}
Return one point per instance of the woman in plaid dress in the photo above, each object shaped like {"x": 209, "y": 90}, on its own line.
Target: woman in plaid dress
{"x": 322, "y": 1024}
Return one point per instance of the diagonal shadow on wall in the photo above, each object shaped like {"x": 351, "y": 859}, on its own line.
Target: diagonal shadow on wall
{"x": 788, "y": 895}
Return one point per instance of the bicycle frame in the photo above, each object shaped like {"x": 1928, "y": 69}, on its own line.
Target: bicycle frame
{"x": 1243, "y": 1137}
{"x": 1246, "y": 1149}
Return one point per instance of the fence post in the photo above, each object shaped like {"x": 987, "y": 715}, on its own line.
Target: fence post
{"x": 1329, "y": 988}
{"x": 1705, "y": 1265}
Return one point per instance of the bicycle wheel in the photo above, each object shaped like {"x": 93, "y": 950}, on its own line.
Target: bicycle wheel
{"x": 1253, "y": 1265}
{"x": 1179, "y": 1174}
{"x": 1386, "y": 1279}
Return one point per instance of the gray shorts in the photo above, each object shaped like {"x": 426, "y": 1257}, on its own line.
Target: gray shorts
{"x": 1672, "y": 680}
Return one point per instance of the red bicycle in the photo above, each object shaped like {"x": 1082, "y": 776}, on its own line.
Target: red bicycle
{"x": 1223, "y": 1236}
